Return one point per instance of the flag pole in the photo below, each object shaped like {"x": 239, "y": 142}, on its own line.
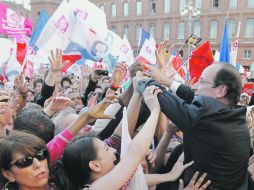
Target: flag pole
{"x": 180, "y": 48}
{"x": 182, "y": 66}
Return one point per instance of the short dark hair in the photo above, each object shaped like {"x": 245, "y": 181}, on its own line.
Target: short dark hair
{"x": 36, "y": 81}
{"x": 73, "y": 171}
{"x": 36, "y": 122}
{"x": 65, "y": 79}
{"x": 230, "y": 77}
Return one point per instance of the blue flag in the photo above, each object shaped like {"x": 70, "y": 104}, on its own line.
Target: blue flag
{"x": 143, "y": 36}
{"x": 224, "y": 47}
{"x": 43, "y": 19}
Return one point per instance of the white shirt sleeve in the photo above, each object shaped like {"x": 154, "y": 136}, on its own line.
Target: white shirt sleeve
{"x": 174, "y": 86}
{"x": 100, "y": 124}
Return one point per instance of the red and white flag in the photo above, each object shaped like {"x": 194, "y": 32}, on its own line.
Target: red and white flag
{"x": 234, "y": 47}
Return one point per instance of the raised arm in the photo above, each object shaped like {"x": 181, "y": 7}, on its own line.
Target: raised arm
{"x": 137, "y": 150}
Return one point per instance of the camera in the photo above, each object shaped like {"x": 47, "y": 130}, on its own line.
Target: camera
{"x": 101, "y": 72}
{"x": 251, "y": 80}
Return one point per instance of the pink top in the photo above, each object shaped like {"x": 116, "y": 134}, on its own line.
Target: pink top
{"x": 57, "y": 145}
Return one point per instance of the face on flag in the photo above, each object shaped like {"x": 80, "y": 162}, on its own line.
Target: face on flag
{"x": 99, "y": 49}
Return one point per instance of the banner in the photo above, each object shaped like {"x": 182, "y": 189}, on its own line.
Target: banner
{"x": 13, "y": 24}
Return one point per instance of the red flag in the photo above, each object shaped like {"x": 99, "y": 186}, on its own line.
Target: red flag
{"x": 72, "y": 59}
{"x": 21, "y": 52}
{"x": 200, "y": 59}
{"x": 177, "y": 63}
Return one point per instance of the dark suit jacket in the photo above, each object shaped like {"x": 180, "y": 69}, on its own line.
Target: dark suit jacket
{"x": 216, "y": 137}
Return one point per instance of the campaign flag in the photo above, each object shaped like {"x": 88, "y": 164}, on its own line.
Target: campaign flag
{"x": 126, "y": 52}
{"x": 177, "y": 64}
{"x": 200, "y": 59}
{"x": 69, "y": 60}
{"x": 5, "y": 50}
{"x": 11, "y": 68}
{"x": 56, "y": 33}
{"x": 76, "y": 26}
{"x": 224, "y": 47}
{"x": 42, "y": 21}
{"x": 21, "y": 52}
{"x": 193, "y": 41}
{"x": 144, "y": 35}
{"x": 234, "y": 47}
{"x": 13, "y": 24}
{"x": 147, "y": 53}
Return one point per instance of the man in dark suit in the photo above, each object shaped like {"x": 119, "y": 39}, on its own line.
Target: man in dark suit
{"x": 216, "y": 136}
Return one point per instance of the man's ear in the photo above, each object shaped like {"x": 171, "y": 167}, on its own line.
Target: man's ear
{"x": 95, "y": 166}
{"x": 8, "y": 175}
{"x": 221, "y": 91}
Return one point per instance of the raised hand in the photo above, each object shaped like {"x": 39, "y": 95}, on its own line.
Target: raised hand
{"x": 163, "y": 54}
{"x": 59, "y": 103}
{"x": 97, "y": 111}
{"x": 195, "y": 184}
{"x": 151, "y": 157}
{"x": 55, "y": 60}
{"x": 178, "y": 168}
{"x": 139, "y": 76}
{"x": 85, "y": 71}
{"x": 119, "y": 73}
{"x": 20, "y": 85}
{"x": 150, "y": 96}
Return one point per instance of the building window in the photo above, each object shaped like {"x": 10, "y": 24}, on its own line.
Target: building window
{"x": 138, "y": 30}
{"x": 247, "y": 54}
{"x": 213, "y": 30}
{"x": 152, "y": 30}
{"x": 232, "y": 4}
{"x": 113, "y": 28}
{"x": 197, "y": 28}
{"x": 139, "y": 7}
{"x": 125, "y": 30}
{"x": 231, "y": 28}
{"x": 250, "y": 3}
{"x": 152, "y": 6}
{"x": 181, "y": 5}
{"x": 167, "y": 6}
{"x": 181, "y": 31}
{"x": 215, "y": 3}
{"x": 113, "y": 10}
{"x": 199, "y": 4}
{"x": 126, "y": 9}
{"x": 102, "y": 7}
{"x": 166, "y": 31}
{"x": 249, "y": 28}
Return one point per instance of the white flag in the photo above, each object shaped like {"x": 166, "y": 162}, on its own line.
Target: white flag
{"x": 234, "y": 47}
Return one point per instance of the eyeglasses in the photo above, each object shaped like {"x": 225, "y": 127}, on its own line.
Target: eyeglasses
{"x": 28, "y": 160}
{"x": 202, "y": 81}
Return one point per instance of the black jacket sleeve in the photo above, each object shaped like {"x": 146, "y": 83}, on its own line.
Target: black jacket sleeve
{"x": 46, "y": 92}
{"x": 186, "y": 93}
{"x": 90, "y": 88}
{"x": 112, "y": 125}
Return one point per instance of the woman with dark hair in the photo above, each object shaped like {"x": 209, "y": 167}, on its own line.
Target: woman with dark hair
{"x": 24, "y": 162}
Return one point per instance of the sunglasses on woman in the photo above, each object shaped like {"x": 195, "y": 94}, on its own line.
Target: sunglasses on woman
{"x": 28, "y": 160}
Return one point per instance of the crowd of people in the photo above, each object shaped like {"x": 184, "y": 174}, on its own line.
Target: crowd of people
{"x": 60, "y": 131}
